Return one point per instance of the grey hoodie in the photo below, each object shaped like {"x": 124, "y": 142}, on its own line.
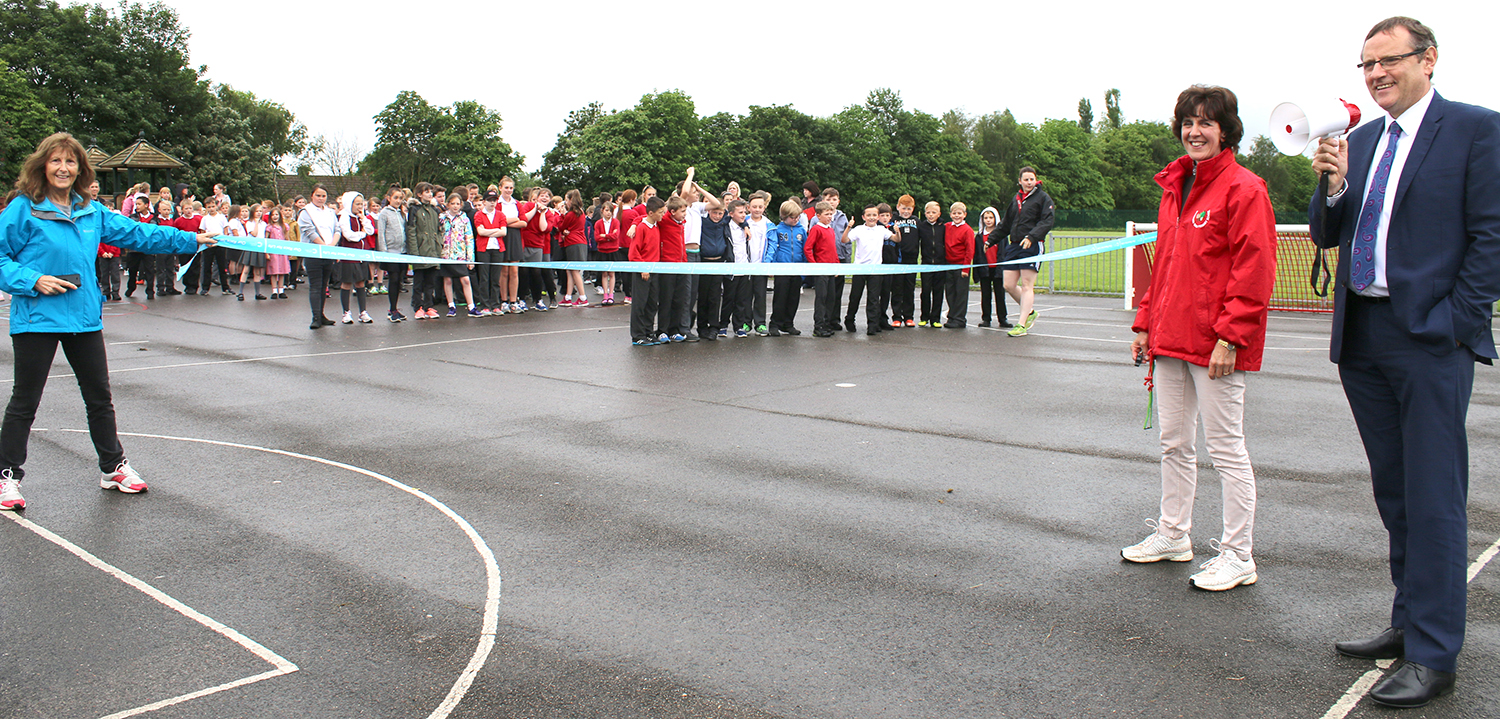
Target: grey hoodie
{"x": 391, "y": 226}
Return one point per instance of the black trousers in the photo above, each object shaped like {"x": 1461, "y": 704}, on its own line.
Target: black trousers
{"x": 207, "y": 259}
{"x": 710, "y": 299}
{"x": 487, "y": 278}
{"x": 394, "y": 275}
{"x": 643, "y": 307}
{"x": 785, "y": 297}
{"x": 166, "y": 272}
{"x": 189, "y": 278}
{"x": 903, "y": 295}
{"x": 424, "y": 288}
{"x": 932, "y": 296}
{"x": 992, "y": 287}
{"x": 825, "y": 303}
{"x": 33, "y": 360}
{"x": 140, "y": 266}
{"x": 957, "y": 285}
{"x": 319, "y": 274}
{"x": 874, "y": 286}
{"x": 108, "y": 270}
{"x": 671, "y": 303}
{"x": 757, "y": 291}
{"x": 738, "y": 311}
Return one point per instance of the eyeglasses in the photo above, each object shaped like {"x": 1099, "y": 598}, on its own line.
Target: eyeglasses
{"x": 1388, "y": 62}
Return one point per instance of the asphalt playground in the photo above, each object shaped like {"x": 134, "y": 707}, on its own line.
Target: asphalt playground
{"x": 526, "y": 517}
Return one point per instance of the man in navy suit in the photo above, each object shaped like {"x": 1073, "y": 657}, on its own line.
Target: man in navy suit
{"x": 1414, "y": 207}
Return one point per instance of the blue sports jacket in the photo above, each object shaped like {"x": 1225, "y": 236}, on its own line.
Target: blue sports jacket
{"x": 784, "y": 243}
{"x": 37, "y": 239}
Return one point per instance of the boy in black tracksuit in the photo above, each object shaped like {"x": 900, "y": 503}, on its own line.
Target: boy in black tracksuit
{"x": 931, "y": 237}
{"x": 904, "y": 286}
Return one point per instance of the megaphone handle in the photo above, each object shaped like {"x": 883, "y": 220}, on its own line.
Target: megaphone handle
{"x": 1319, "y": 263}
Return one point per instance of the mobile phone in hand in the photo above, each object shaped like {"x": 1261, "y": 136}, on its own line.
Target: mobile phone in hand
{"x": 74, "y": 279}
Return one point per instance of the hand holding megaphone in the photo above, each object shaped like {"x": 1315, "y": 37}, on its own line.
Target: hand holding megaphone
{"x": 1292, "y": 128}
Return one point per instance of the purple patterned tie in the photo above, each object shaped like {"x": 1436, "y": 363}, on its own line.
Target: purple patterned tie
{"x": 1362, "y": 271}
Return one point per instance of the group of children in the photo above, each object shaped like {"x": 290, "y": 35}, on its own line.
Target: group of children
{"x": 475, "y": 231}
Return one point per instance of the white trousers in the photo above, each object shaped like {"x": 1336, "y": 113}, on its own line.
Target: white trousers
{"x": 1184, "y": 393}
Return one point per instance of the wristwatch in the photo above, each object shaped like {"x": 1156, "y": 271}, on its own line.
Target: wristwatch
{"x": 1226, "y": 345}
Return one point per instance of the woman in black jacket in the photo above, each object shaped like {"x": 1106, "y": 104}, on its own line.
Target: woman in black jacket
{"x": 1028, "y": 219}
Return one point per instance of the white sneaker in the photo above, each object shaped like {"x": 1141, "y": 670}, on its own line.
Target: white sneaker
{"x": 1158, "y": 546}
{"x": 348, "y": 319}
{"x": 124, "y": 478}
{"x": 1225, "y": 571}
{"x": 364, "y": 317}
{"x": 10, "y": 492}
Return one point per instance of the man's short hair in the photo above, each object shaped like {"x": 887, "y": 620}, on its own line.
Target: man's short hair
{"x": 823, "y": 206}
{"x": 830, "y": 192}
{"x": 736, "y": 203}
{"x": 883, "y": 209}
{"x": 790, "y": 208}
{"x": 761, "y": 195}
{"x": 675, "y": 203}
{"x": 654, "y": 203}
{"x": 932, "y": 205}
{"x": 958, "y": 206}
{"x": 906, "y": 201}
{"x": 1213, "y": 103}
{"x": 1025, "y": 170}
{"x": 1422, "y": 36}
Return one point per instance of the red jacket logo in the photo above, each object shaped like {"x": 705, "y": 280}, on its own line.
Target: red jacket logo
{"x": 1200, "y": 219}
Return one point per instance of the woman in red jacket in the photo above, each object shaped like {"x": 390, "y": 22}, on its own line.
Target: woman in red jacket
{"x": 1203, "y": 323}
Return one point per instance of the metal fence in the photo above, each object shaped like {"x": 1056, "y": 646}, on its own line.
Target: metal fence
{"x": 1101, "y": 275}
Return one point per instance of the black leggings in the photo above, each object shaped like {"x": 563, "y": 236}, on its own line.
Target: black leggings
{"x": 33, "y": 359}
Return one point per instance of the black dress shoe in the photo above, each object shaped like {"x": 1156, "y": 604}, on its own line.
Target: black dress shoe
{"x": 1412, "y": 685}
{"x": 315, "y": 325}
{"x": 326, "y": 322}
{"x": 1006, "y": 325}
{"x": 1389, "y": 644}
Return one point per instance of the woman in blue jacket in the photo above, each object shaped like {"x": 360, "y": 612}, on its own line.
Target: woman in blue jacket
{"x": 49, "y": 236}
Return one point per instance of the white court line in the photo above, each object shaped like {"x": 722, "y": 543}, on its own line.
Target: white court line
{"x": 128, "y": 342}
{"x": 334, "y": 354}
{"x": 491, "y": 568}
{"x": 282, "y": 665}
{"x": 1366, "y": 681}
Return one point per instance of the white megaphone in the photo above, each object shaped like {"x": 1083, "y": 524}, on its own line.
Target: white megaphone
{"x": 1292, "y": 127}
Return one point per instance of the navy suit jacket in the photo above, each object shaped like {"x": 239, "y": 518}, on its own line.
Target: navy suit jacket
{"x": 1443, "y": 242}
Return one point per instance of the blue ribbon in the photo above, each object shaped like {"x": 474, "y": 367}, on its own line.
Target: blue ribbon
{"x": 351, "y": 254}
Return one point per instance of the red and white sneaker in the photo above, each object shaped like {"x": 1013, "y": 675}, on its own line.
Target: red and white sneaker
{"x": 124, "y": 478}
{"x": 10, "y": 492}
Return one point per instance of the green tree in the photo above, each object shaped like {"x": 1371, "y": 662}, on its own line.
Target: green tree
{"x": 416, "y": 141}
{"x": 1113, "y": 118}
{"x": 1067, "y": 163}
{"x": 1004, "y": 144}
{"x": 560, "y": 166}
{"x": 653, "y": 142}
{"x": 1130, "y": 157}
{"x": 109, "y": 75}
{"x": 1290, "y": 180}
{"x": 24, "y": 122}
{"x": 223, "y": 150}
{"x": 1085, "y": 115}
{"x": 271, "y": 124}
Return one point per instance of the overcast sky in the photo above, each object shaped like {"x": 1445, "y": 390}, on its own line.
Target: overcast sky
{"x": 1037, "y": 59}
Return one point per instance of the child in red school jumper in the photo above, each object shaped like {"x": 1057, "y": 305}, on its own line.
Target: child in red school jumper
{"x": 490, "y": 225}
{"x": 536, "y": 238}
{"x": 989, "y": 276}
{"x": 629, "y": 213}
{"x": 672, "y": 293}
{"x": 822, "y": 247}
{"x": 188, "y": 220}
{"x": 645, "y": 246}
{"x": 608, "y": 242}
{"x": 958, "y": 237}
{"x": 575, "y": 247}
